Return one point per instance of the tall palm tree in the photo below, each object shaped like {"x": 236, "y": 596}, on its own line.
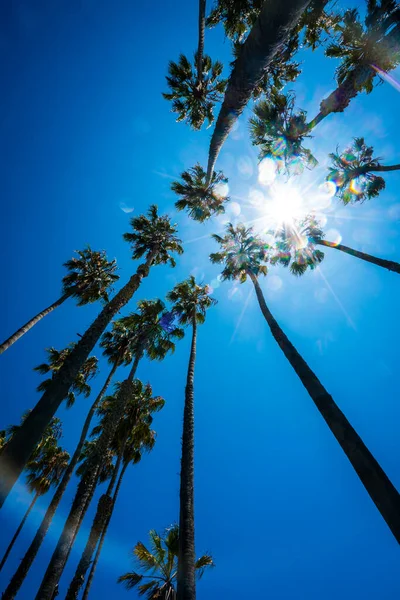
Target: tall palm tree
{"x": 270, "y": 31}
{"x": 150, "y": 338}
{"x": 80, "y": 384}
{"x": 158, "y": 566}
{"x": 200, "y": 200}
{"x": 353, "y": 172}
{"x": 244, "y": 255}
{"x": 90, "y": 277}
{"x": 310, "y": 234}
{"x": 190, "y": 303}
{"x": 42, "y": 472}
{"x": 154, "y": 237}
{"x": 116, "y": 347}
{"x": 365, "y": 49}
{"x": 133, "y": 434}
{"x": 278, "y": 129}
{"x": 193, "y": 99}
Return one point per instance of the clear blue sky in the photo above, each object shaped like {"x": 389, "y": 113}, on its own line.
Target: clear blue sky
{"x": 84, "y": 130}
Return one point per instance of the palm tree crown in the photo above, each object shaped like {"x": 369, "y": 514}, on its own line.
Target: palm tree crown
{"x": 351, "y": 173}
{"x": 90, "y": 276}
{"x": 147, "y": 333}
{"x": 199, "y": 199}
{"x": 242, "y": 252}
{"x": 280, "y": 130}
{"x": 154, "y": 235}
{"x": 47, "y": 469}
{"x": 365, "y": 49}
{"x": 294, "y": 246}
{"x": 193, "y": 98}
{"x": 190, "y": 301}
{"x": 159, "y": 566}
{"x": 116, "y": 344}
{"x": 56, "y": 360}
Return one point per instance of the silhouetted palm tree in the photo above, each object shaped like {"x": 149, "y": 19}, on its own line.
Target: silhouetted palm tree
{"x": 42, "y": 472}
{"x": 190, "y": 303}
{"x": 89, "y": 279}
{"x": 158, "y": 566}
{"x": 155, "y": 238}
{"x": 200, "y": 200}
{"x": 353, "y": 172}
{"x": 116, "y": 347}
{"x": 133, "y": 435}
{"x": 150, "y": 338}
{"x": 244, "y": 255}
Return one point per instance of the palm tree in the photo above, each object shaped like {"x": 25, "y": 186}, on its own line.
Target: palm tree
{"x": 271, "y": 30}
{"x": 315, "y": 235}
{"x": 193, "y": 99}
{"x": 244, "y": 255}
{"x": 56, "y": 360}
{"x": 133, "y": 434}
{"x": 293, "y": 249}
{"x": 280, "y": 130}
{"x": 366, "y": 50}
{"x": 150, "y": 338}
{"x": 190, "y": 303}
{"x": 194, "y": 92}
{"x": 43, "y": 471}
{"x": 116, "y": 347}
{"x": 159, "y": 566}
{"x": 155, "y": 238}
{"x": 353, "y": 172}
{"x": 89, "y": 279}
{"x": 200, "y": 200}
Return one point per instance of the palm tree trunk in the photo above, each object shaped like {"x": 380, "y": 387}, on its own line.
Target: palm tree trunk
{"x": 186, "y": 578}
{"x": 381, "y": 262}
{"x": 340, "y": 98}
{"x": 383, "y": 168}
{"x": 17, "y": 451}
{"x": 16, "y": 534}
{"x": 381, "y": 490}
{"x": 86, "y": 485}
{"x": 30, "y": 555}
{"x": 25, "y": 328}
{"x": 103, "y": 535}
{"x": 271, "y": 30}
{"x": 104, "y": 508}
{"x": 200, "y": 48}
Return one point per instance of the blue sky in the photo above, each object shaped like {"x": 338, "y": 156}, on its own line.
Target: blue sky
{"x": 85, "y": 131}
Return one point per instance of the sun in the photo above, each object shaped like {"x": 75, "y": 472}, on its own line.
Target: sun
{"x": 284, "y": 203}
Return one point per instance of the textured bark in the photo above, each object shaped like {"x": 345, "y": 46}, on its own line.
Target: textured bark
{"x": 87, "y": 483}
{"x": 340, "y": 98}
{"x": 381, "y": 490}
{"x": 103, "y": 535}
{"x": 381, "y": 262}
{"x": 266, "y": 38}
{"x": 25, "y": 328}
{"x": 200, "y": 48}
{"x": 30, "y": 555}
{"x": 19, "y": 529}
{"x": 17, "y": 451}
{"x": 186, "y": 578}
{"x": 102, "y": 515}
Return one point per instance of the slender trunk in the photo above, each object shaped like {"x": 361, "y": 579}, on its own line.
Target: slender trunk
{"x": 30, "y": 555}
{"x": 104, "y": 508}
{"x": 186, "y": 579}
{"x": 354, "y": 173}
{"x": 381, "y": 490}
{"x": 266, "y": 38}
{"x": 17, "y": 451}
{"x": 25, "y": 328}
{"x": 200, "y": 48}
{"x": 16, "y": 534}
{"x": 383, "y": 168}
{"x": 316, "y": 120}
{"x": 381, "y": 262}
{"x": 103, "y": 535}
{"x": 60, "y": 555}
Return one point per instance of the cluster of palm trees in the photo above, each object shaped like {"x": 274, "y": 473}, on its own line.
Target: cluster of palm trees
{"x": 117, "y": 430}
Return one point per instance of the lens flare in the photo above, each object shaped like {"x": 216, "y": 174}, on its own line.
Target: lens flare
{"x": 388, "y": 78}
{"x": 357, "y": 186}
{"x": 279, "y": 146}
{"x": 267, "y": 171}
{"x": 333, "y": 236}
{"x": 221, "y": 190}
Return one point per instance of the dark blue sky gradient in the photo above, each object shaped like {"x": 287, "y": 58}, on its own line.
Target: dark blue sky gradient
{"x": 84, "y": 128}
